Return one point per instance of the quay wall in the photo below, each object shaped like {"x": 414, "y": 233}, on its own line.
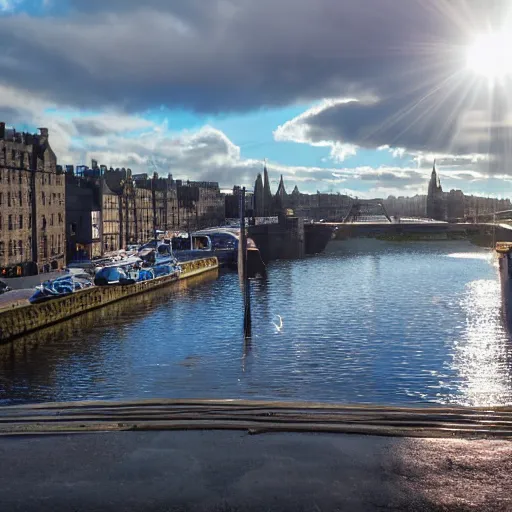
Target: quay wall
{"x": 19, "y": 321}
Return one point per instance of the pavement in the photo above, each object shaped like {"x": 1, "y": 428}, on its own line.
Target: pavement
{"x": 222, "y": 456}
{"x": 25, "y": 282}
{"x": 234, "y": 471}
{"x": 23, "y": 288}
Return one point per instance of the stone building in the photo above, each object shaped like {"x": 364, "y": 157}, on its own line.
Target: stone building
{"x": 133, "y": 209}
{"x": 32, "y": 204}
{"x": 406, "y": 206}
{"x": 83, "y": 218}
{"x": 200, "y": 204}
{"x": 456, "y": 206}
{"x": 232, "y": 202}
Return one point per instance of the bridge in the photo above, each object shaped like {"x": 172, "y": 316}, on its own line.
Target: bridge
{"x": 372, "y": 210}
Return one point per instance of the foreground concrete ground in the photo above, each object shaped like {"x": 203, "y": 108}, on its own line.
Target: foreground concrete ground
{"x": 236, "y": 471}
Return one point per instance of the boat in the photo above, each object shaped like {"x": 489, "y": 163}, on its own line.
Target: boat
{"x": 224, "y": 245}
{"x": 151, "y": 263}
{"x": 60, "y": 287}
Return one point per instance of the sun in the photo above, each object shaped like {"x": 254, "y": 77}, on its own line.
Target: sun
{"x": 491, "y": 56}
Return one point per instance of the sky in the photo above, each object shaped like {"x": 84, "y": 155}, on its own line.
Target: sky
{"x": 351, "y": 96}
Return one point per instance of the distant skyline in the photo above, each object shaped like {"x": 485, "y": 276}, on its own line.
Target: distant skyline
{"x": 349, "y": 96}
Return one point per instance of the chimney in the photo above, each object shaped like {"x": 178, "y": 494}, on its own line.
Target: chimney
{"x": 2, "y": 130}
{"x": 43, "y": 135}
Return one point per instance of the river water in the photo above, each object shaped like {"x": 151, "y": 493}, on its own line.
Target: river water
{"x": 366, "y": 322}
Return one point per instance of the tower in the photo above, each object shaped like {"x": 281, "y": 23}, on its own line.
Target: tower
{"x": 435, "y": 198}
{"x": 267, "y": 194}
{"x": 258, "y": 197}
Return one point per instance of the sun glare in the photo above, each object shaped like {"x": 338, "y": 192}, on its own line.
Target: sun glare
{"x": 491, "y": 56}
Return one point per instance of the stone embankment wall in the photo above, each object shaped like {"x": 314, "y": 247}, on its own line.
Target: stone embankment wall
{"x": 25, "y": 319}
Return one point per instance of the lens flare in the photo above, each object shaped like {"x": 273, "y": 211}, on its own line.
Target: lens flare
{"x": 491, "y": 56}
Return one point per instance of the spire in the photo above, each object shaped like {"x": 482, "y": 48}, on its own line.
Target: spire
{"x": 258, "y": 196}
{"x": 434, "y": 173}
{"x": 281, "y": 191}
{"x": 267, "y": 194}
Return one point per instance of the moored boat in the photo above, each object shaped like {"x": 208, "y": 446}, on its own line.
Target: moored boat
{"x": 60, "y": 287}
{"x": 224, "y": 245}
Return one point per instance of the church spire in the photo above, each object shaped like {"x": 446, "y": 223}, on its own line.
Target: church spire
{"x": 267, "y": 194}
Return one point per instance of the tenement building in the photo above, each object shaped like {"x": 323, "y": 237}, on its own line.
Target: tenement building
{"x": 32, "y": 204}
{"x": 109, "y": 209}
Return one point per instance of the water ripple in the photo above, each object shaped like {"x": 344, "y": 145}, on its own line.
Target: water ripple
{"x": 367, "y": 322}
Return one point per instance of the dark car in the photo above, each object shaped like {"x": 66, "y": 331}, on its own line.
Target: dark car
{"x": 4, "y": 288}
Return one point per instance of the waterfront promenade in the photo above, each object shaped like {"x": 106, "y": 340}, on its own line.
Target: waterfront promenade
{"x": 19, "y": 317}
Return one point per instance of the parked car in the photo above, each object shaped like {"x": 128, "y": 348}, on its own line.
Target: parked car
{"x": 4, "y": 288}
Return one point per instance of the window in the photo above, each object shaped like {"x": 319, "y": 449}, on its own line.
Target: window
{"x": 2, "y": 248}
{"x": 10, "y": 223}
{"x": 50, "y": 179}
{"x": 10, "y": 247}
{"x": 1, "y": 198}
{"x": 60, "y": 219}
{"x": 20, "y": 178}
{"x": 44, "y": 222}
{"x": 29, "y": 221}
{"x": 49, "y": 199}
{"x": 13, "y": 156}
{"x": 20, "y": 198}
{"x": 43, "y": 198}
{"x": 51, "y": 220}
{"x": 8, "y": 199}
{"x": 21, "y": 221}
{"x": 20, "y": 247}
{"x": 45, "y": 247}
{"x": 58, "y": 244}
{"x": 0, "y": 222}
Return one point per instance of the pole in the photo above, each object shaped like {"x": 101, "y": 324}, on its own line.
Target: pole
{"x": 153, "y": 200}
{"x": 242, "y": 268}
{"x": 33, "y": 203}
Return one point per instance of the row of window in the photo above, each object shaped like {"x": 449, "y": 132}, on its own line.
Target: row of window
{"x": 12, "y": 199}
{"x": 12, "y": 224}
{"x": 15, "y": 248}
{"x": 17, "y": 199}
{"x": 56, "y": 197}
{"x": 24, "y": 247}
{"x": 12, "y": 176}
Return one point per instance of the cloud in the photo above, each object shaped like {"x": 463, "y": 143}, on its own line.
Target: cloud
{"x": 394, "y": 71}
{"x": 225, "y": 55}
{"x": 458, "y": 136}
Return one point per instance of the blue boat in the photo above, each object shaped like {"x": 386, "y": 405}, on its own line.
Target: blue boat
{"x": 60, "y": 287}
